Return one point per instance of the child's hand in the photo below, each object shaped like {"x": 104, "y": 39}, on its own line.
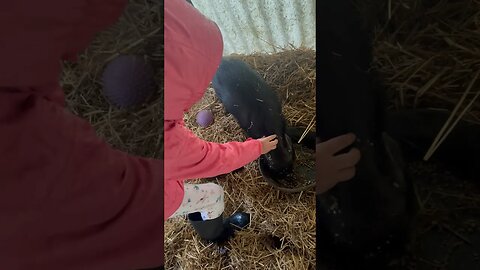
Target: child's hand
{"x": 269, "y": 143}
{"x": 333, "y": 169}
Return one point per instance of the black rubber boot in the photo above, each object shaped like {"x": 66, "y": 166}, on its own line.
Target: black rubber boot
{"x": 218, "y": 230}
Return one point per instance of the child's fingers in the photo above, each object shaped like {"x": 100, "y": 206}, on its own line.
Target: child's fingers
{"x": 336, "y": 144}
{"x": 271, "y": 145}
{"x": 271, "y": 137}
{"x": 348, "y": 159}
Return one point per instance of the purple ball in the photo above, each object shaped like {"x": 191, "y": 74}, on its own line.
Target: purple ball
{"x": 205, "y": 118}
{"x": 128, "y": 80}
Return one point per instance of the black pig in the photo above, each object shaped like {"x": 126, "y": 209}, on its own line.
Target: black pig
{"x": 257, "y": 109}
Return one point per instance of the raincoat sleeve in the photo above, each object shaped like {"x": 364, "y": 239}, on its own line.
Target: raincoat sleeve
{"x": 189, "y": 157}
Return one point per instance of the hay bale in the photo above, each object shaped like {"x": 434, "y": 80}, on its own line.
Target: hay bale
{"x": 282, "y": 230}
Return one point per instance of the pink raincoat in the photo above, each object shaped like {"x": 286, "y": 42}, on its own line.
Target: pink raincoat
{"x": 67, "y": 199}
{"x": 193, "y": 51}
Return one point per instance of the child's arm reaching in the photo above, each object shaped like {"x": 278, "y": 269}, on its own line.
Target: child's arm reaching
{"x": 188, "y": 157}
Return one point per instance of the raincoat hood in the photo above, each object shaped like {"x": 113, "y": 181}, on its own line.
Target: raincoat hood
{"x": 191, "y": 56}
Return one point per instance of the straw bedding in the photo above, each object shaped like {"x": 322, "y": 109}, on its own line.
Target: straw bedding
{"x": 139, "y": 130}
{"x": 428, "y": 53}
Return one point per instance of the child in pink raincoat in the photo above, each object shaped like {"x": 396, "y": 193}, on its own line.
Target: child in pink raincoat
{"x": 193, "y": 51}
